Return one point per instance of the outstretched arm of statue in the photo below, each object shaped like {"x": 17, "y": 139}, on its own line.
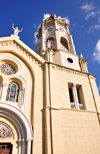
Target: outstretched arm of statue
{"x": 13, "y": 26}
{"x": 21, "y": 30}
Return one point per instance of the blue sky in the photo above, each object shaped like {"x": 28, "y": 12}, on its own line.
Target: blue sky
{"x": 83, "y": 17}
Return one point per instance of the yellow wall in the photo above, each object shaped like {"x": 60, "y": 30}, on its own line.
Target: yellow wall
{"x": 72, "y": 131}
{"x": 75, "y": 132}
{"x": 33, "y": 74}
{"x": 57, "y": 128}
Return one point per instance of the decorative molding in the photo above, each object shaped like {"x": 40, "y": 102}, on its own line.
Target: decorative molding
{"x": 48, "y": 25}
{"x": 21, "y": 122}
{"x": 60, "y": 25}
{"x": 92, "y": 77}
{"x": 50, "y": 36}
{"x": 20, "y": 48}
{"x": 5, "y": 131}
{"x": 19, "y": 75}
{"x": 19, "y": 118}
{"x": 70, "y": 109}
{"x": 69, "y": 71}
{"x": 25, "y": 94}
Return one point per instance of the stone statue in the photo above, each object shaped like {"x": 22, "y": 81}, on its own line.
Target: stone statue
{"x": 16, "y": 30}
{"x": 81, "y": 56}
{"x": 49, "y": 44}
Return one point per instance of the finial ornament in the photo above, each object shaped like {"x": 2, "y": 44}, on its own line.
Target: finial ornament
{"x": 81, "y": 56}
{"x": 16, "y": 30}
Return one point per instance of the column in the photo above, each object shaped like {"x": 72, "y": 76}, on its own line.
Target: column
{"x": 43, "y": 38}
{"x": 19, "y": 145}
{"x": 75, "y": 96}
{"x": 23, "y": 98}
{"x": 29, "y": 146}
{"x": 50, "y": 55}
{"x": 23, "y": 146}
{"x": 58, "y": 44}
{"x": 2, "y": 93}
{"x": 73, "y": 44}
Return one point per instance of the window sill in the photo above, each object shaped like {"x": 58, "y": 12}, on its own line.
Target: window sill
{"x": 12, "y": 103}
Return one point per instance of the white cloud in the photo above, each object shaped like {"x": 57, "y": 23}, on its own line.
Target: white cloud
{"x": 46, "y": 15}
{"x": 97, "y": 48}
{"x": 67, "y": 19}
{"x": 39, "y": 26}
{"x": 98, "y": 19}
{"x": 34, "y": 26}
{"x": 96, "y": 54}
{"x": 36, "y": 32}
{"x": 91, "y": 14}
{"x": 89, "y": 10}
{"x": 95, "y": 27}
{"x": 87, "y": 7}
{"x": 35, "y": 37}
{"x": 73, "y": 27}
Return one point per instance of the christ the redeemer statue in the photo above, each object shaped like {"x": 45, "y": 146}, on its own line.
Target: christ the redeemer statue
{"x": 16, "y": 30}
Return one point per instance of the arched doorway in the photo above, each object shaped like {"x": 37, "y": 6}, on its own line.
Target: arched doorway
{"x": 23, "y": 127}
{"x": 5, "y": 148}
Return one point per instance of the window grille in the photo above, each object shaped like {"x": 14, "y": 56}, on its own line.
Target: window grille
{"x": 12, "y": 92}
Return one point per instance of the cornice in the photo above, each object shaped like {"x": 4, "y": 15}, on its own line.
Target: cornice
{"x": 22, "y": 48}
{"x": 70, "y": 70}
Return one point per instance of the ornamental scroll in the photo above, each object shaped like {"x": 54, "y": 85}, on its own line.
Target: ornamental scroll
{"x": 5, "y": 131}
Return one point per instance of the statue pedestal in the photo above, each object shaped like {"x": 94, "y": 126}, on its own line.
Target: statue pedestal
{"x": 15, "y": 36}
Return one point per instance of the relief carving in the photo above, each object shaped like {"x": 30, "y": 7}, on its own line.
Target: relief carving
{"x": 5, "y": 131}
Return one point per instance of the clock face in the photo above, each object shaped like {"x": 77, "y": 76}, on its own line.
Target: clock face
{"x": 61, "y": 29}
{"x": 49, "y": 29}
{"x": 7, "y": 69}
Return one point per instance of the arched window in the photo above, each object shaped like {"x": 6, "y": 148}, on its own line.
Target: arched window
{"x": 64, "y": 43}
{"x": 52, "y": 42}
{"x": 12, "y": 92}
{"x": 51, "y": 38}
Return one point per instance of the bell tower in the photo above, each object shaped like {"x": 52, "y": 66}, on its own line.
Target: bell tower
{"x": 55, "y": 43}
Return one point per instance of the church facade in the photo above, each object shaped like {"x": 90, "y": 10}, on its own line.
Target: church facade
{"x": 49, "y": 102}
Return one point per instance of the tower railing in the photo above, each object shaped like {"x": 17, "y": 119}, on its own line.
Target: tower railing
{"x": 62, "y": 47}
{"x": 81, "y": 106}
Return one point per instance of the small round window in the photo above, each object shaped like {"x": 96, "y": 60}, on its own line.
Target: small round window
{"x": 7, "y": 69}
{"x": 70, "y": 60}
